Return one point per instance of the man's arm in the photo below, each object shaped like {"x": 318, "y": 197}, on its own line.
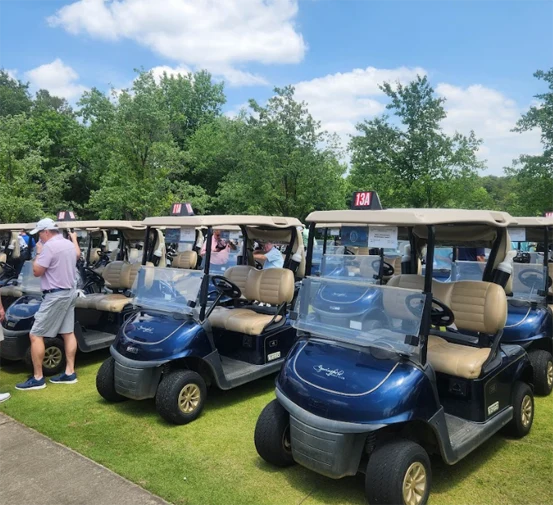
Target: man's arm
{"x": 38, "y": 270}
{"x": 73, "y": 237}
{"x": 2, "y": 312}
{"x": 259, "y": 256}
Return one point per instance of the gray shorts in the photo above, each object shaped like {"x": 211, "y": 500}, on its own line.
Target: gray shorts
{"x": 56, "y": 314}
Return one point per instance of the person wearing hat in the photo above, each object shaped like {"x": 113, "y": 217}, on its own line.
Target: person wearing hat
{"x": 3, "y": 396}
{"x": 55, "y": 264}
{"x": 269, "y": 255}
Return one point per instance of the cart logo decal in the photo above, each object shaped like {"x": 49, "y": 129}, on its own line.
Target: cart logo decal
{"x": 132, "y": 349}
{"x": 338, "y": 374}
{"x": 494, "y": 407}
{"x": 145, "y": 329}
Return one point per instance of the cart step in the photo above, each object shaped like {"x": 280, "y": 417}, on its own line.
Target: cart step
{"x": 239, "y": 372}
{"x": 94, "y": 340}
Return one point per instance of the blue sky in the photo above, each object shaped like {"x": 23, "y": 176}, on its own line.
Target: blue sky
{"x": 479, "y": 55}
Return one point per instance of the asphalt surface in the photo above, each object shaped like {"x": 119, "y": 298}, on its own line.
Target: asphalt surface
{"x": 35, "y": 470}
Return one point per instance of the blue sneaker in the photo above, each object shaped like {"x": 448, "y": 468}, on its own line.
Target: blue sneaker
{"x": 31, "y": 383}
{"x": 64, "y": 379}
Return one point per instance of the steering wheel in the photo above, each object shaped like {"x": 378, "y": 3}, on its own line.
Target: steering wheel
{"x": 532, "y": 279}
{"x": 387, "y": 269}
{"x": 441, "y": 315}
{"x": 226, "y": 287}
{"x": 7, "y": 268}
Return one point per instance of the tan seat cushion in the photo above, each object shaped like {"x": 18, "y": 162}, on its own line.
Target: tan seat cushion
{"x": 220, "y": 315}
{"x": 454, "y": 359}
{"x": 113, "y": 303}
{"x": 239, "y": 275}
{"x": 273, "y": 286}
{"x": 185, "y": 259}
{"x": 14, "y": 291}
{"x": 249, "y": 322}
{"x": 88, "y": 301}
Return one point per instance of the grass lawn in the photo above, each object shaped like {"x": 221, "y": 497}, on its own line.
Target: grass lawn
{"x": 213, "y": 460}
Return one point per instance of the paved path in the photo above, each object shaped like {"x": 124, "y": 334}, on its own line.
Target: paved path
{"x": 35, "y": 470}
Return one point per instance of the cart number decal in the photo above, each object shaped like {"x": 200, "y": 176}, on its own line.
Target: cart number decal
{"x": 272, "y": 356}
{"x": 355, "y": 325}
{"x": 494, "y": 407}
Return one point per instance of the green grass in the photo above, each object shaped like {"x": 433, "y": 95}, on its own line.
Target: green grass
{"x": 213, "y": 460}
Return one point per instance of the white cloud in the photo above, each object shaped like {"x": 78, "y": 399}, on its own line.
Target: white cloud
{"x": 219, "y": 35}
{"x": 170, "y": 71}
{"x": 59, "y": 79}
{"x": 492, "y": 116}
{"x": 12, "y": 72}
{"x": 341, "y": 100}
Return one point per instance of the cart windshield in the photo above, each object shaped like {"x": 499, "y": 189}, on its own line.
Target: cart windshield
{"x": 340, "y": 266}
{"x": 529, "y": 282}
{"x": 28, "y": 282}
{"x": 467, "y": 270}
{"x": 226, "y": 247}
{"x": 167, "y": 289}
{"x": 361, "y": 313}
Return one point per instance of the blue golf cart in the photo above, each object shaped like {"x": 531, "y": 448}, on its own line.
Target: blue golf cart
{"x": 380, "y": 379}
{"x": 105, "y": 288}
{"x": 191, "y": 329}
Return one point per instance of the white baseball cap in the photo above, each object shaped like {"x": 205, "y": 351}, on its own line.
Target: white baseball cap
{"x": 45, "y": 224}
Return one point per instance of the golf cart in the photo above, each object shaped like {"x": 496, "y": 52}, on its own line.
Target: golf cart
{"x": 99, "y": 311}
{"x": 11, "y": 260}
{"x": 530, "y": 318}
{"x": 192, "y": 329}
{"x": 377, "y": 391}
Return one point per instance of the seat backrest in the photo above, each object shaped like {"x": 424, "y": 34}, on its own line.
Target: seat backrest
{"x": 478, "y": 306}
{"x": 14, "y": 245}
{"x": 3, "y": 259}
{"x": 94, "y": 255}
{"x": 133, "y": 272}
{"x": 185, "y": 259}
{"x": 117, "y": 275}
{"x": 273, "y": 286}
{"x": 239, "y": 275}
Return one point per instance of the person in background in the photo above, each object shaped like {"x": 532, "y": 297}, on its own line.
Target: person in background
{"x": 26, "y": 244}
{"x": 270, "y": 255}
{"x": 471, "y": 254}
{"x": 56, "y": 265}
{"x": 220, "y": 249}
{"x": 3, "y": 396}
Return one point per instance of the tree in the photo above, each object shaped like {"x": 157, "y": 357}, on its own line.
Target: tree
{"x": 534, "y": 174}
{"x": 274, "y": 161}
{"x": 14, "y": 95}
{"x": 21, "y": 172}
{"x": 132, "y": 154}
{"x": 414, "y": 163}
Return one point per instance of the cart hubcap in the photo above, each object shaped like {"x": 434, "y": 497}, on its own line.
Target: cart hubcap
{"x": 526, "y": 411}
{"x": 286, "y": 440}
{"x": 414, "y": 484}
{"x": 550, "y": 373}
{"x": 52, "y": 357}
{"x": 189, "y": 398}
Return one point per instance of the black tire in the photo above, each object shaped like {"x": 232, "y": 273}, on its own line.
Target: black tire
{"x": 180, "y": 396}
{"x": 523, "y": 414}
{"x": 542, "y": 363}
{"x": 272, "y": 435}
{"x": 54, "y": 357}
{"x": 392, "y": 466}
{"x": 105, "y": 382}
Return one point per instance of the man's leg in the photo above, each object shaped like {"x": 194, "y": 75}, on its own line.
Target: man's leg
{"x": 70, "y": 344}
{"x": 37, "y": 354}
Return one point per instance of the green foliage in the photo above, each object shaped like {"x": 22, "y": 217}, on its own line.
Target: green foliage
{"x": 275, "y": 161}
{"x": 14, "y": 96}
{"x": 534, "y": 174}
{"x": 413, "y": 163}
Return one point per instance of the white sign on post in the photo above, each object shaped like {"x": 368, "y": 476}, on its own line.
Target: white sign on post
{"x": 517, "y": 234}
{"x": 383, "y": 237}
{"x": 187, "y": 235}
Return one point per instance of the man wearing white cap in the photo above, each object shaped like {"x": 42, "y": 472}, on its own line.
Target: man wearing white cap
{"x": 55, "y": 264}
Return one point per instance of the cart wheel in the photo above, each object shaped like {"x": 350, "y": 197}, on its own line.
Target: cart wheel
{"x": 523, "y": 415}
{"x": 105, "y": 382}
{"x": 181, "y": 396}
{"x": 542, "y": 363}
{"x": 54, "y": 357}
{"x": 272, "y": 435}
{"x": 398, "y": 473}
